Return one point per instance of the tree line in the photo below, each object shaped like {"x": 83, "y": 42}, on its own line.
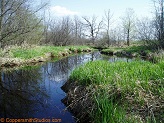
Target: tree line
{"x": 20, "y": 23}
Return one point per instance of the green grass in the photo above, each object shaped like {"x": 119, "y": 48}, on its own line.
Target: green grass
{"x": 36, "y": 51}
{"x": 130, "y": 49}
{"x": 107, "y": 111}
{"x": 27, "y": 53}
{"x": 126, "y": 86}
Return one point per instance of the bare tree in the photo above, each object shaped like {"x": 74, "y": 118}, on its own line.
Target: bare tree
{"x": 146, "y": 31}
{"x": 161, "y": 36}
{"x": 78, "y": 30}
{"x": 129, "y": 24}
{"x": 159, "y": 21}
{"x": 18, "y": 22}
{"x": 8, "y": 8}
{"x": 60, "y": 31}
{"x": 107, "y": 22}
{"x": 92, "y": 27}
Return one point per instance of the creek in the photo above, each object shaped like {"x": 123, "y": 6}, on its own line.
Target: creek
{"x": 35, "y": 91}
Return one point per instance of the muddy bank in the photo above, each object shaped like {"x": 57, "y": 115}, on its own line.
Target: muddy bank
{"x": 79, "y": 101}
{"x": 6, "y": 62}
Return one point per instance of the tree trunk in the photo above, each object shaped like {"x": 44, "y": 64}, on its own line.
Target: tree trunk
{"x": 93, "y": 38}
{"x": 161, "y": 25}
{"x": 108, "y": 40}
{"x": 1, "y": 19}
{"x": 128, "y": 42}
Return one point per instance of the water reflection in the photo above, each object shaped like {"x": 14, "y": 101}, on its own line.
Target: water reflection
{"x": 20, "y": 90}
{"x": 34, "y": 92}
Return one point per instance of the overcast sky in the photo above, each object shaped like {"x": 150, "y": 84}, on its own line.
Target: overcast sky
{"x": 97, "y": 7}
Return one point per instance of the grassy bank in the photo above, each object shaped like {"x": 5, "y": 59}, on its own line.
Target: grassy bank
{"x": 124, "y": 92}
{"x": 130, "y": 50}
{"x": 18, "y": 55}
{"x": 36, "y": 51}
{"x": 139, "y": 51}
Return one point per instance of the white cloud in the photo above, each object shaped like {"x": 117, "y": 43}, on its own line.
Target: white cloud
{"x": 62, "y": 11}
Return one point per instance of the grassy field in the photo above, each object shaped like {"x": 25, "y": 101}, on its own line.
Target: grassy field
{"x": 35, "y": 51}
{"x": 13, "y": 56}
{"x": 125, "y": 92}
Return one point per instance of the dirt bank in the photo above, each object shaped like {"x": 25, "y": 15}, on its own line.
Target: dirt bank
{"x": 78, "y": 101}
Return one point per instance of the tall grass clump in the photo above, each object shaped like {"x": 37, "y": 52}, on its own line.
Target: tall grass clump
{"x": 129, "y": 87}
{"x": 126, "y": 76}
{"x": 107, "y": 111}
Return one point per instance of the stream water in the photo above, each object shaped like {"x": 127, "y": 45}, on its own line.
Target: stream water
{"x": 35, "y": 92}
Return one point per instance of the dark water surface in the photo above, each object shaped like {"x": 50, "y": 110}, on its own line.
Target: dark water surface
{"x": 35, "y": 92}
